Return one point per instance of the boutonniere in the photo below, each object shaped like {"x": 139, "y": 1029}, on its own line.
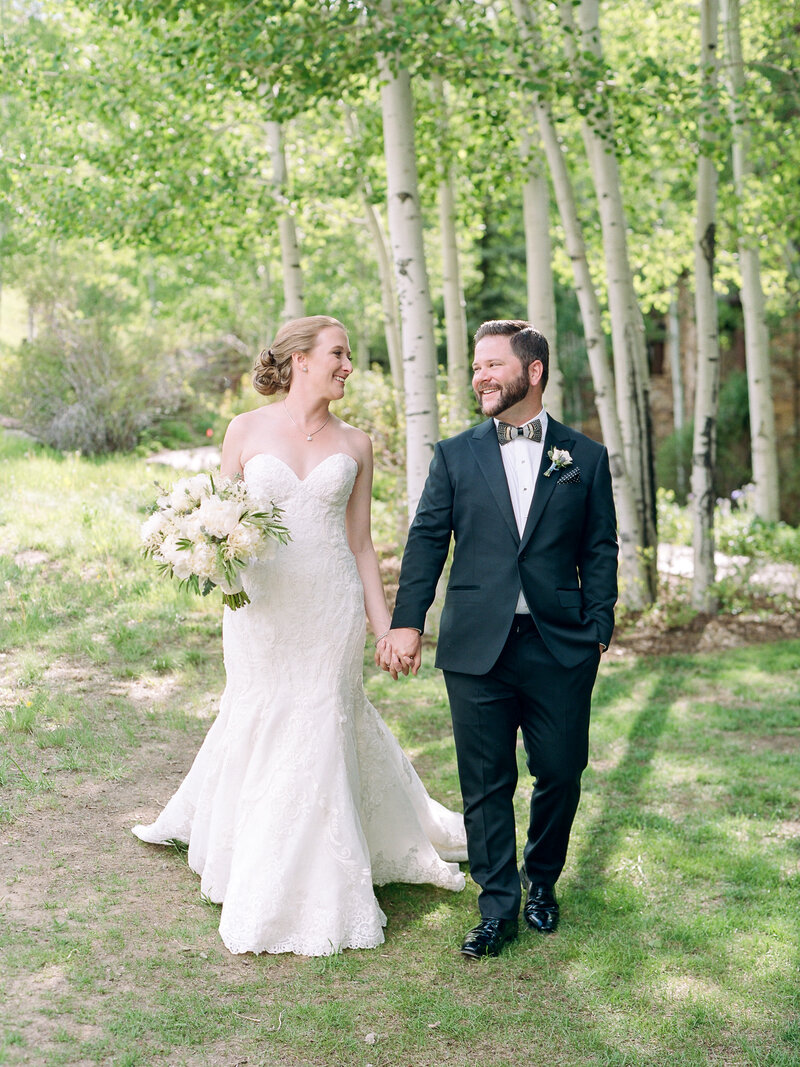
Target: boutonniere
{"x": 559, "y": 458}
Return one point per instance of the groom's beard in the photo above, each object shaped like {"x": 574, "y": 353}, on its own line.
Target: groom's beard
{"x": 505, "y": 397}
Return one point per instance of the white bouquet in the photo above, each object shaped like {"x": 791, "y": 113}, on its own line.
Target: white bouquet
{"x": 205, "y": 532}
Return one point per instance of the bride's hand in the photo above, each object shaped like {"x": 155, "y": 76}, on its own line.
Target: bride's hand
{"x": 402, "y": 652}
{"x": 383, "y": 653}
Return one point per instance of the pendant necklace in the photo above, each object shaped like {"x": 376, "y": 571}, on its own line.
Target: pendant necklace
{"x": 308, "y": 435}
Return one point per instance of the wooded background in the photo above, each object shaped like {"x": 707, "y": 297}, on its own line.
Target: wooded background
{"x": 180, "y": 176}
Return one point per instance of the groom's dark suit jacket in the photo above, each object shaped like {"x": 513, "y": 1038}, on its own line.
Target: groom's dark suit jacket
{"x": 565, "y": 561}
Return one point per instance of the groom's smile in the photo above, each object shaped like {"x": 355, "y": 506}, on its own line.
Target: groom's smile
{"x": 498, "y": 378}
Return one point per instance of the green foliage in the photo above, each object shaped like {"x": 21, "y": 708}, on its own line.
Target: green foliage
{"x": 732, "y": 468}
{"x": 737, "y": 529}
{"x": 674, "y": 462}
{"x": 739, "y": 532}
{"x": 78, "y": 387}
{"x": 674, "y": 521}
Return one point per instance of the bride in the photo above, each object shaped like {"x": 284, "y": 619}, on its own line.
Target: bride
{"x": 300, "y": 799}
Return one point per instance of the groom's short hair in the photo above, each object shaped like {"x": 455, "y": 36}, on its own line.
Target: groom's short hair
{"x": 527, "y": 343}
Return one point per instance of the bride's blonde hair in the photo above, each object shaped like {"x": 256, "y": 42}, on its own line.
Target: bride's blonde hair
{"x": 272, "y": 372}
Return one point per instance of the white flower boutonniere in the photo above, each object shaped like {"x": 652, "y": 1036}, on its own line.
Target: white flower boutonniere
{"x": 559, "y": 458}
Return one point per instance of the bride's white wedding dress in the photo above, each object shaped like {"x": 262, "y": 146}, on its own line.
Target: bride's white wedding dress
{"x": 300, "y": 799}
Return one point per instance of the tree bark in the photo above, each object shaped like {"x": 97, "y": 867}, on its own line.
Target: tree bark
{"x": 707, "y": 387}
{"x": 391, "y": 325}
{"x": 293, "y": 296}
{"x": 635, "y": 585}
{"x": 411, "y": 274}
{"x": 676, "y": 373}
{"x": 631, "y": 371}
{"x": 763, "y": 445}
{"x": 539, "y": 265}
{"x": 383, "y": 258}
{"x": 455, "y": 313}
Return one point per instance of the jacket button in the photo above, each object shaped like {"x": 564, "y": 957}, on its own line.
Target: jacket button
{"x": 523, "y": 558}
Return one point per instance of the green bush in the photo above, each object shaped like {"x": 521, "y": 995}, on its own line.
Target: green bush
{"x": 79, "y": 388}
{"x": 737, "y": 529}
{"x": 733, "y": 467}
{"x": 674, "y": 463}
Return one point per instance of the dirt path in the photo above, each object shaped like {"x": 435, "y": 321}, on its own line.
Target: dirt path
{"x": 78, "y": 887}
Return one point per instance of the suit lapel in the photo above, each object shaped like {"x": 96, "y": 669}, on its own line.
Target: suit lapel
{"x": 557, "y": 436}
{"x": 486, "y": 449}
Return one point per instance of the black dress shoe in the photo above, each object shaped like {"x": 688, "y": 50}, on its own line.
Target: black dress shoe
{"x": 489, "y": 937}
{"x": 541, "y": 907}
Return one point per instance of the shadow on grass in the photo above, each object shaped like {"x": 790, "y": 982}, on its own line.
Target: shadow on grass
{"x": 622, "y": 788}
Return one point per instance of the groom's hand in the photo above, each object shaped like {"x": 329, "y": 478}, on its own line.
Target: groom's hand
{"x": 401, "y": 651}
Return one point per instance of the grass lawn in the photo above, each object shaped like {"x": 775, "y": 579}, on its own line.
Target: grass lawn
{"x": 680, "y": 900}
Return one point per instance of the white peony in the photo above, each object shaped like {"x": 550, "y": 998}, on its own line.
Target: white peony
{"x": 191, "y": 526}
{"x": 219, "y": 517}
{"x": 187, "y": 493}
{"x": 182, "y": 568}
{"x": 243, "y": 541}
{"x": 154, "y": 529}
{"x": 203, "y": 558}
{"x": 169, "y": 550}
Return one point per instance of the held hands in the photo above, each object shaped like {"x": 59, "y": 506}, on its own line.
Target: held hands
{"x": 399, "y": 651}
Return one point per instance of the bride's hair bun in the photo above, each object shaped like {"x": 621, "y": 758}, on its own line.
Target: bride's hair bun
{"x": 272, "y": 372}
{"x": 268, "y": 376}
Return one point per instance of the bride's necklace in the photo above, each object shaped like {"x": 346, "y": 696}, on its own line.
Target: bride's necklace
{"x": 311, "y": 434}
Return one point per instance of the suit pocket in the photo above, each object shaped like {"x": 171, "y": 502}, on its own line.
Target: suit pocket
{"x": 570, "y": 598}
{"x": 571, "y": 477}
{"x": 459, "y": 596}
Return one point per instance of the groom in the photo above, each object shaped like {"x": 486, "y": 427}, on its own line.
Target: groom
{"x": 529, "y": 610}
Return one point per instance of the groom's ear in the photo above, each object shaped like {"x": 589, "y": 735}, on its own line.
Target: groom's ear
{"x": 535, "y": 372}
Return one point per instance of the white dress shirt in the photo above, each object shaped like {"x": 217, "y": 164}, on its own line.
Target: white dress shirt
{"x": 521, "y": 460}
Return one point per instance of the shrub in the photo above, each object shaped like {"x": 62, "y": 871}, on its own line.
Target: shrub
{"x": 77, "y": 388}
{"x": 732, "y": 469}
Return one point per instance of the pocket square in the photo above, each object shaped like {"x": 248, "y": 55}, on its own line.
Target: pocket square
{"x": 570, "y": 477}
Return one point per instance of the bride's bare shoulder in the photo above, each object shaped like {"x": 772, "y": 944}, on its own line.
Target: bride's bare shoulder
{"x": 256, "y": 418}
{"x": 259, "y": 421}
{"x": 358, "y": 442}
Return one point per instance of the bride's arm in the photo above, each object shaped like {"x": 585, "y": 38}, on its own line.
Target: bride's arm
{"x": 231, "y": 463}
{"x": 359, "y": 537}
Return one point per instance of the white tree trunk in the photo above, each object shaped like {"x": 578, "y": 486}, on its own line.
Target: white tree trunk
{"x": 411, "y": 275}
{"x": 707, "y": 387}
{"x": 455, "y": 313}
{"x": 676, "y": 374}
{"x": 391, "y": 324}
{"x": 383, "y": 258}
{"x": 539, "y": 265}
{"x": 635, "y": 584}
{"x": 759, "y": 380}
{"x": 675, "y": 365}
{"x": 293, "y": 298}
{"x": 631, "y": 371}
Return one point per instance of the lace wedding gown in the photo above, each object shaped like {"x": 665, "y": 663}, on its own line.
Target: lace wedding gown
{"x": 300, "y": 798}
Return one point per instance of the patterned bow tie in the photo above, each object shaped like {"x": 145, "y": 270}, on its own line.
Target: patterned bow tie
{"x": 531, "y": 430}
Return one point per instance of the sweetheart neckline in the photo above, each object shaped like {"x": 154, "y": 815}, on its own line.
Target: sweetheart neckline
{"x": 290, "y": 468}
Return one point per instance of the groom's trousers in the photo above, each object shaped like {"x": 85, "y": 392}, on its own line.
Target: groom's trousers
{"x": 526, "y": 690}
